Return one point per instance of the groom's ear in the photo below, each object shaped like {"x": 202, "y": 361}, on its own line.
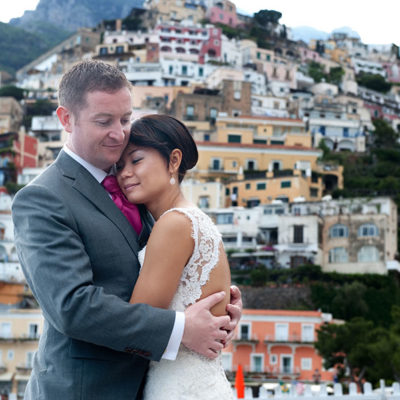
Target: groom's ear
{"x": 66, "y": 118}
{"x": 175, "y": 159}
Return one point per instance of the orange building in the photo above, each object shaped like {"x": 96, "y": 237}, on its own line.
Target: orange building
{"x": 278, "y": 344}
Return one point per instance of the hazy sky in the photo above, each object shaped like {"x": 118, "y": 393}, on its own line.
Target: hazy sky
{"x": 375, "y": 21}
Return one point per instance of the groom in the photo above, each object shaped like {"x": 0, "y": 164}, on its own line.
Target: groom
{"x": 79, "y": 256}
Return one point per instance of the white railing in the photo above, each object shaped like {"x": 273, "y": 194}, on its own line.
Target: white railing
{"x": 306, "y": 392}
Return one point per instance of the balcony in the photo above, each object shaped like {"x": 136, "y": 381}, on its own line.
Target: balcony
{"x": 294, "y": 338}
{"x": 191, "y": 117}
{"x": 283, "y": 372}
{"x": 246, "y": 339}
{"x": 18, "y": 338}
{"x": 24, "y": 369}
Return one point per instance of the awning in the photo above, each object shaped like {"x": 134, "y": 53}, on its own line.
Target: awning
{"x": 6, "y": 377}
{"x": 22, "y": 377}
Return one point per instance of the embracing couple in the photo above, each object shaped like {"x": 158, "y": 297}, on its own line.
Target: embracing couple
{"x": 132, "y": 278}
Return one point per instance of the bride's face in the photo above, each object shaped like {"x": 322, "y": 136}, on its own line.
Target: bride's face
{"x": 142, "y": 174}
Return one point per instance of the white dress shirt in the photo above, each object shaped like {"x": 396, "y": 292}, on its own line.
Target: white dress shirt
{"x": 175, "y": 339}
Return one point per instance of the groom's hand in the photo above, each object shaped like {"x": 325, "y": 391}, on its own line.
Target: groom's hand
{"x": 234, "y": 309}
{"x": 204, "y": 333}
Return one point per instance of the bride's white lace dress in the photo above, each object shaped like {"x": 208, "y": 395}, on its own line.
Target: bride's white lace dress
{"x": 191, "y": 376}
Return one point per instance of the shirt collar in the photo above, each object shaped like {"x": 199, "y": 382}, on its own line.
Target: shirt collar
{"x": 97, "y": 173}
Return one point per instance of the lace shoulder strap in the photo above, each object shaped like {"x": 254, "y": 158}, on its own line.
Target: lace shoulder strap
{"x": 205, "y": 255}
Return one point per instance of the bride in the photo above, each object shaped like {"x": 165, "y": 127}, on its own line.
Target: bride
{"x": 184, "y": 259}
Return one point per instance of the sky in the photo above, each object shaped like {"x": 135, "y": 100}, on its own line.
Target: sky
{"x": 375, "y": 21}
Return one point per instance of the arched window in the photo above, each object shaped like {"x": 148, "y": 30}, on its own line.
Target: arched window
{"x": 3, "y": 254}
{"x": 180, "y": 50}
{"x": 368, "y": 230}
{"x": 338, "y": 231}
{"x": 338, "y": 255}
{"x": 166, "y": 48}
{"x": 368, "y": 254}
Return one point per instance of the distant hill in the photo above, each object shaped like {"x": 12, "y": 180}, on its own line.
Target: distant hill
{"x": 70, "y": 15}
{"x": 307, "y": 33}
{"x": 23, "y": 39}
{"x": 18, "y": 47}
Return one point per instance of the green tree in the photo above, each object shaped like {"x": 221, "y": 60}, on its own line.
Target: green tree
{"x": 12, "y": 91}
{"x": 374, "y": 82}
{"x": 266, "y": 17}
{"x": 316, "y": 71}
{"x": 335, "y": 75}
{"x": 347, "y": 346}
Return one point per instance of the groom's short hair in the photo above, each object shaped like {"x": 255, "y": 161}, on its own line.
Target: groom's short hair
{"x": 89, "y": 76}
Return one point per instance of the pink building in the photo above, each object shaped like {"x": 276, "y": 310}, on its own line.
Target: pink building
{"x": 278, "y": 344}
{"x": 309, "y": 55}
{"x": 191, "y": 43}
{"x": 224, "y": 12}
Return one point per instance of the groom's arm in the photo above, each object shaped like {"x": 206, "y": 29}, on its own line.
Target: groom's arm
{"x": 60, "y": 274}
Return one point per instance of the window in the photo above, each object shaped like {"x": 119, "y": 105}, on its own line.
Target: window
{"x": 216, "y": 164}
{"x": 286, "y": 184}
{"x": 273, "y": 359}
{"x": 257, "y": 362}
{"x": 5, "y": 330}
{"x": 258, "y": 55}
{"x": 119, "y": 49}
{"x": 338, "y": 255}
{"x": 307, "y": 333}
{"x": 251, "y": 165}
{"x": 226, "y": 359}
{"x": 10, "y": 354}
{"x": 103, "y": 51}
{"x": 368, "y": 230}
{"x": 33, "y": 331}
{"x": 338, "y": 231}
{"x": 286, "y": 364}
{"x": 170, "y": 69}
{"x": 213, "y": 113}
{"x": 201, "y": 71}
{"x": 248, "y": 186}
{"x": 29, "y": 359}
{"x": 189, "y": 111}
{"x": 234, "y": 139}
{"x": 245, "y": 331}
{"x": 298, "y": 234}
{"x": 184, "y": 70}
{"x": 204, "y": 202}
{"x": 368, "y": 254}
{"x": 224, "y": 219}
{"x": 313, "y": 192}
{"x": 306, "y": 364}
{"x": 282, "y": 332}
{"x": 261, "y": 186}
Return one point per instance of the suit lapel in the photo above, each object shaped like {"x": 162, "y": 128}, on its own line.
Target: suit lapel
{"x": 87, "y": 185}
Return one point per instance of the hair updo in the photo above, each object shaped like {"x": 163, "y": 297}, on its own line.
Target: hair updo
{"x": 164, "y": 134}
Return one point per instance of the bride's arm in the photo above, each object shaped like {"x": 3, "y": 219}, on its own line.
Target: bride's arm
{"x": 167, "y": 252}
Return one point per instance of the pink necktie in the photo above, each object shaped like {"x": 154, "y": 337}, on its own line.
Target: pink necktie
{"x": 130, "y": 210}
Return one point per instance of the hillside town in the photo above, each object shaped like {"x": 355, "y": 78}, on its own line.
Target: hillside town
{"x": 263, "y": 111}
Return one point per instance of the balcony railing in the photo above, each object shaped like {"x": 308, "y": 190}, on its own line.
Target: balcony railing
{"x": 288, "y": 339}
{"x": 246, "y": 339}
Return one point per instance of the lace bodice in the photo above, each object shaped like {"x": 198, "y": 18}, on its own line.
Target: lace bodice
{"x": 191, "y": 376}
{"x": 207, "y": 241}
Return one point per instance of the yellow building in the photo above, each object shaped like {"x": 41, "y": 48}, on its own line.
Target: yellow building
{"x": 275, "y": 185}
{"x": 20, "y": 330}
{"x": 263, "y": 130}
{"x": 175, "y": 10}
{"x": 229, "y": 160}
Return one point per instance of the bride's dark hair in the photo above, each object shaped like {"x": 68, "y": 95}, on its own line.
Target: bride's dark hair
{"x": 164, "y": 134}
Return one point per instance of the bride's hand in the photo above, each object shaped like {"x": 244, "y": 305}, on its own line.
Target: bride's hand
{"x": 204, "y": 333}
{"x": 234, "y": 309}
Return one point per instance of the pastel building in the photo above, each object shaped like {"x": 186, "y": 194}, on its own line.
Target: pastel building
{"x": 223, "y": 12}
{"x": 278, "y": 344}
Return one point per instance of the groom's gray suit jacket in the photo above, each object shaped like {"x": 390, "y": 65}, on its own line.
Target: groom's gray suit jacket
{"x": 79, "y": 256}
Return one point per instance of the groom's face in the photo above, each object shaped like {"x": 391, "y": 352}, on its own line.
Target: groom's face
{"x": 100, "y": 130}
